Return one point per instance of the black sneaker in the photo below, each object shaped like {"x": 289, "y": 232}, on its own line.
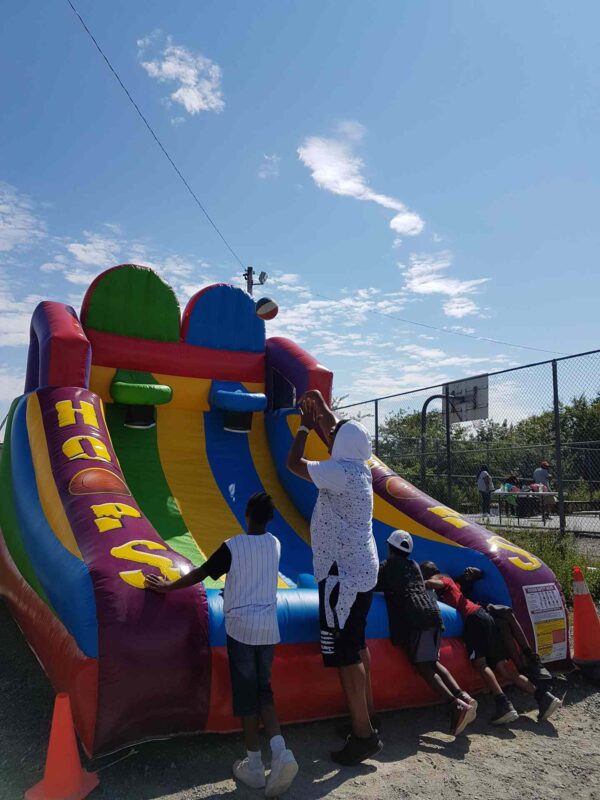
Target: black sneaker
{"x": 548, "y": 704}
{"x": 357, "y": 749}
{"x": 505, "y": 711}
{"x": 344, "y": 727}
{"x": 535, "y": 670}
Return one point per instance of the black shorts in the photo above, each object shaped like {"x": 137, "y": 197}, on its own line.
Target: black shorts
{"x": 342, "y": 647}
{"x": 250, "y": 669}
{"x": 483, "y": 639}
{"x": 423, "y": 647}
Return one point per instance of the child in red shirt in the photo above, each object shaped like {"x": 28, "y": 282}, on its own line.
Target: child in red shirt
{"x": 486, "y": 650}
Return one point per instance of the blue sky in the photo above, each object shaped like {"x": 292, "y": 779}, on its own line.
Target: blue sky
{"x": 436, "y": 161}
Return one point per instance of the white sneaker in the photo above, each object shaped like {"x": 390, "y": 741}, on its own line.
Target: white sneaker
{"x": 283, "y": 771}
{"x": 251, "y": 776}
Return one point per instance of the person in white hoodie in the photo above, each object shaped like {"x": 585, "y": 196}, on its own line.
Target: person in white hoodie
{"x": 345, "y": 560}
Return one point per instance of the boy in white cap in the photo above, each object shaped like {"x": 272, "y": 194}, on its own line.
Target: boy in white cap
{"x": 416, "y": 625}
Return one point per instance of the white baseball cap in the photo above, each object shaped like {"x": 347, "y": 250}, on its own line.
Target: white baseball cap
{"x": 402, "y": 540}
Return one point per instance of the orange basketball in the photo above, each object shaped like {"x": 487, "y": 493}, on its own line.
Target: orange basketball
{"x": 97, "y": 481}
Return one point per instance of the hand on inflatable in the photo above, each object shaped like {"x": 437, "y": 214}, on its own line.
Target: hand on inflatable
{"x": 158, "y": 583}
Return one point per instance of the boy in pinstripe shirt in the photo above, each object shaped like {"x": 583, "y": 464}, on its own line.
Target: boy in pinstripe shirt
{"x": 250, "y": 608}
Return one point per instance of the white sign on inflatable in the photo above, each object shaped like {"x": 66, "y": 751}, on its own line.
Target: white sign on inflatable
{"x": 547, "y": 613}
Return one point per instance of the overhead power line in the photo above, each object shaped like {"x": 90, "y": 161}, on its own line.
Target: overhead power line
{"x": 230, "y": 248}
{"x": 446, "y": 330}
{"x": 155, "y": 137}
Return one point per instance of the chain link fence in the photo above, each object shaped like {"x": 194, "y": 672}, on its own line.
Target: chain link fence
{"x": 543, "y": 412}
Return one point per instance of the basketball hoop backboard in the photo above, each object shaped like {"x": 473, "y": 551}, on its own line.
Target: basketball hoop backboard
{"x": 468, "y": 399}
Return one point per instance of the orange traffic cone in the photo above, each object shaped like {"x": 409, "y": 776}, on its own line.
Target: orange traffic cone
{"x": 586, "y": 628}
{"x": 64, "y": 779}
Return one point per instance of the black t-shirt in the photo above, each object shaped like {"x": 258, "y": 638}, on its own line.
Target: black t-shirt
{"x": 410, "y": 606}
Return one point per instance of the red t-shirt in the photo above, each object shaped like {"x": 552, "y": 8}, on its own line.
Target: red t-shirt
{"x": 452, "y": 596}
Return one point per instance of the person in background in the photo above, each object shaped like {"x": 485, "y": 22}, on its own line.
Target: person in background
{"x": 542, "y": 474}
{"x": 485, "y": 484}
{"x": 251, "y": 563}
{"x": 511, "y": 487}
{"x": 416, "y": 626}
{"x": 345, "y": 560}
{"x": 486, "y": 650}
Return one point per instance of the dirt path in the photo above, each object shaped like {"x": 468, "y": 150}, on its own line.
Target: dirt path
{"x": 558, "y": 759}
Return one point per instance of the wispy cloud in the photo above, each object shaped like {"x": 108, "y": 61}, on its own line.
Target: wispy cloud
{"x": 11, "y": 383}
{"x": 81, "y": 260}
{"x": 427, "y": 274}
{"x": 197, "y": 78}
{"x": 15, "y": 316}
{"x": 460, "y": 307}
{"x": 19, "y": 227}
{"x": 335, "y": 167}
{"x": 269, "y": 167}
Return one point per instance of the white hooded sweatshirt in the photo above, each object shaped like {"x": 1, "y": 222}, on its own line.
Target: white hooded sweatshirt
{"x": 342, "y": 521}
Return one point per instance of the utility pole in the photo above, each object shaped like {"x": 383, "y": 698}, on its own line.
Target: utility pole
{"x": 248, "y": 276}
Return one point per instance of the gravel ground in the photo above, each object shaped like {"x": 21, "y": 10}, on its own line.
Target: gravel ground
{"x": 420, "y": 761}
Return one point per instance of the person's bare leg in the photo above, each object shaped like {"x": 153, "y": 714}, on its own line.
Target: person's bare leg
{"x": 488, "y": 676}
{"x": 270, "y": 720}
{"x": 510, "y": 674}
{"x": 365, "y": 657}
{"x": 448, "y": 678}
{"x": 434, "y": 680}
{"x": 354, "y": 684}
{"x": 251, "y": 732}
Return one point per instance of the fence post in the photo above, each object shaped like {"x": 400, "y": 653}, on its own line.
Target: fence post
{"x": 558, "y": 450}
{"x": 448, "y": 442}
{"x": 377, "y": 428}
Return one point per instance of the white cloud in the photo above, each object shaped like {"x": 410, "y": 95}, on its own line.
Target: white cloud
{"x": 15, "y": 317}
{"x": 427, "y": 275}
{"x": 19, "y": 227}
{"x": 335, "y": 167}
{"x": 96, "y": 250}
{"x": 12, "y": 384}
{"x": 269, "y": 167}
{"x": 351, "y": 129}
{"x": 460, "y": 307}
{"x": 198, "y": 78}
{"x": 462, "y": 329}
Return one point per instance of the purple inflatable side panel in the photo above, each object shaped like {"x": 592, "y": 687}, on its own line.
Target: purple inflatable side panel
{"x": 154, "y": 656}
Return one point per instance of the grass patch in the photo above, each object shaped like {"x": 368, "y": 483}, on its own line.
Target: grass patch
{"x": 561, "y": 555}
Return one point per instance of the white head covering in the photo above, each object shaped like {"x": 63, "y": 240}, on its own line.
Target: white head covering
{"x": 352, "y": 443}
{"x": 402, "y": 540}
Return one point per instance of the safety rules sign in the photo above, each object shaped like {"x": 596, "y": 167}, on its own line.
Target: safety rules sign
{"x": 545, "y": 606}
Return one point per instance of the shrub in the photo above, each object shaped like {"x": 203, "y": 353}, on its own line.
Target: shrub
{"x": 561, "y": 554}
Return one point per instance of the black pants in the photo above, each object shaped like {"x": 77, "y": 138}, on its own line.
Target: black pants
{"x": 486, "y": 499}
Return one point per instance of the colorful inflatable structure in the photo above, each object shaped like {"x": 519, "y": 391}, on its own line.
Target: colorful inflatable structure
{"x": 134, "y": 448}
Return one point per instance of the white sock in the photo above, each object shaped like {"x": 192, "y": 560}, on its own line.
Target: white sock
{"x": 277, "y": 745}
{"x": 255, "y": 758}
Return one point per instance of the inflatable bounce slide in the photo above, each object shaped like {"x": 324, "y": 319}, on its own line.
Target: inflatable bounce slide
{"x": 139, "y": 437}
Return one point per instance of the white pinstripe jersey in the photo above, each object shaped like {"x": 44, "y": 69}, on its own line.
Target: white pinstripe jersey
{"x": 250, "y": 594}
